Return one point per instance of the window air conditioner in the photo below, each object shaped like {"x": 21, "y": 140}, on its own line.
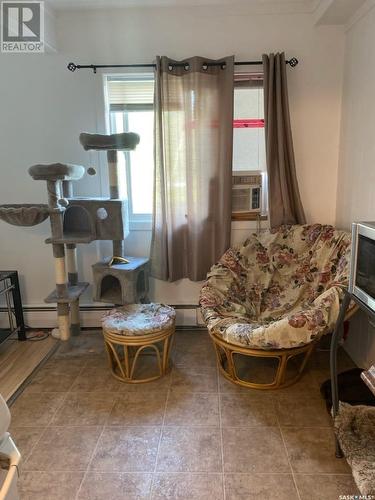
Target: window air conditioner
{"x": 247, "y": 191}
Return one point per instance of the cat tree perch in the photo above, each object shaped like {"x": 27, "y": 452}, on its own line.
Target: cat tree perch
{"x": 74, "y": 220}
{"x": 120, "y": 279}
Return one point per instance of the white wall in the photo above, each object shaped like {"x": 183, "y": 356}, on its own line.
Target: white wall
{"x": 44, "y": 108}
{"x": 356, "y": 176}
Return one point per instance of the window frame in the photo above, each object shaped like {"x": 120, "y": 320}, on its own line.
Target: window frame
{"x": 252, "y": 81}
{"x": 143, "y": 221}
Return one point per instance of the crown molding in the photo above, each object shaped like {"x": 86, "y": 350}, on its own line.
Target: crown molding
{"x": 360, "y": 13}
{"x": 240, "y": 6}
{"x": 337, "y": 12}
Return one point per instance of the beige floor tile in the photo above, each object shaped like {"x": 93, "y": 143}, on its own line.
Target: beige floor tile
{"x": 57, "y": 375}
{"x": 196, "y": 355}
{"x": 320, "y": 358}
{"x": 260, "y": 487}
{"x": 320, "y": 367}
{"x": 184, "y": 408}
{"x": 61, "y": 366}
{"x": 25, "y": 438}
{"x": 160, "y": 385}
{"x": 199, "y": 359}
{"x": 85, "y": 408}
{"x": 194, "y": 379}
{"x": 327, "y": 486}
{"x": 189, "y": 449}
{"x": 254, "y": 449}
{"x": 311, "y": 450}
{"x": 185, "y": 486}
{"x": 226, "y": 386}
{"x": 96, "y": 376}
{"x": 302, "y": 411}
{"x": 247, "y": 410}
{"x": 49, "y": 485}
{"x": 115, "y": 486}
{"x": 32, "y": 409}
{"x": 192, "y": 339}
{"x": 126, "y": 449}
{"x": 320, "y": 375}
{"x": 122, "y": 456}
{"x": 306, "y": 386}
{"x": 192, "y": 342}
{"x": 86, "y": 345}
{"x": 145, "y": 408}
{"x": 64, "y": 449}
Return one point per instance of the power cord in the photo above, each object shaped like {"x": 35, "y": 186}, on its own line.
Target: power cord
{"x": 38, "y": 335}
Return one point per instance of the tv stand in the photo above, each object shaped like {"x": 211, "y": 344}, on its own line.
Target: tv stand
{"x": 10, "y": 288}
{"x": 352, "y": 435}
{"x": 368, "y": 378}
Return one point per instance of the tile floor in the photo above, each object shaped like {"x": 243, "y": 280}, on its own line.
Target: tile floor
{"x": 191, "y": 435}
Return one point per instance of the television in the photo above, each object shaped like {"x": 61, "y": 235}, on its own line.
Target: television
{"x": 362, "y": 267}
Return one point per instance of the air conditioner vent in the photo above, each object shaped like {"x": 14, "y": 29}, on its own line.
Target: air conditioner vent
{"x": 246, "y": 191}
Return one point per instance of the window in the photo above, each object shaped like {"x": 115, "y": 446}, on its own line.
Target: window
{"x": 130, "y": 105}
{"x": 249, "y": 149}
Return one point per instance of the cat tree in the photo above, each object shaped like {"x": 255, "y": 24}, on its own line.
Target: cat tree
{"x": 118, "y": 279}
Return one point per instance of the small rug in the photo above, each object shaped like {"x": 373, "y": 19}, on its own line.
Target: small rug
{"x": 355, "y": 429}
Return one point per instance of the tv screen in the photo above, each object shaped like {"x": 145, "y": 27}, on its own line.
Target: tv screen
{"x": 365, "y": 275}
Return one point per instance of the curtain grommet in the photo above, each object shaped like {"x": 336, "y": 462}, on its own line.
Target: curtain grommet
{"x": 170, "y": 67}
{"x": 223, "y": 65}
{"x": 186, "y": 67}
{"x": 205, "y": 66}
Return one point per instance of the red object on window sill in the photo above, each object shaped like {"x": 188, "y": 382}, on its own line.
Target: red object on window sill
{"x": 248, "y": 123}
{"x": 240, "y": 123}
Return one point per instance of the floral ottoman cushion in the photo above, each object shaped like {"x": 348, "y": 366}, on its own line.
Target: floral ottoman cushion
{"x": 138, "y": 319}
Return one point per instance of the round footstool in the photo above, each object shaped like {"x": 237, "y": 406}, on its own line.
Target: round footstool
{"x": 136, "y": 329}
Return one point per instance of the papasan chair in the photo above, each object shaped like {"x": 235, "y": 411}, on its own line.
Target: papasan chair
{"x": 275, "y": 297}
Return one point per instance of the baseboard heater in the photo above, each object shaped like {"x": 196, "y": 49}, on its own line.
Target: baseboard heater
{"x": 188, "y": 315}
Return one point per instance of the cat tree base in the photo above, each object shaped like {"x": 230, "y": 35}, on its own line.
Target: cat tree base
{"x": 121, "y": 284}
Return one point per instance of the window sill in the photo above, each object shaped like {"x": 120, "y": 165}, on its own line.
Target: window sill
{"x": 146, "y": 225}
{"x": 140, "y": 225}
{"x": 251, "y": 216}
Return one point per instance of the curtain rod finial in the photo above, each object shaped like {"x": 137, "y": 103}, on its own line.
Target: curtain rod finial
{"x": 72, "y": 67}
{"x": 293, "y": 62}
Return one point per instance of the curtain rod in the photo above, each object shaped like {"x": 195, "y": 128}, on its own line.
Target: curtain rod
{"x": 72, "y": 66}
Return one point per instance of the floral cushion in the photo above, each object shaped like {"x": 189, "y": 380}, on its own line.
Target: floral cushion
{"x": 138, "y": 319}
{"x": 280, "y": 289}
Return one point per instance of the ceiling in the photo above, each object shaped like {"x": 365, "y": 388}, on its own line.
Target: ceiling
{"x": 264, "y": 6}
{"x": 328, "y": 12}
{"x": 339, "y": 11}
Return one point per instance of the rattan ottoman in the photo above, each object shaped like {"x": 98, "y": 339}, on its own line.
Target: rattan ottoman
{"x": 134, "y": 331}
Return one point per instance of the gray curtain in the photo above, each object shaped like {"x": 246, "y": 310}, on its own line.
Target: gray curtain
{"x": 284, "y": 202}
{"x": 193, "y": 166}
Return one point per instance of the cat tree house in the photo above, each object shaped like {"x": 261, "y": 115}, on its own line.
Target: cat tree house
{"x": 120, "y": 279}
{"x": 117, "y": 279}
